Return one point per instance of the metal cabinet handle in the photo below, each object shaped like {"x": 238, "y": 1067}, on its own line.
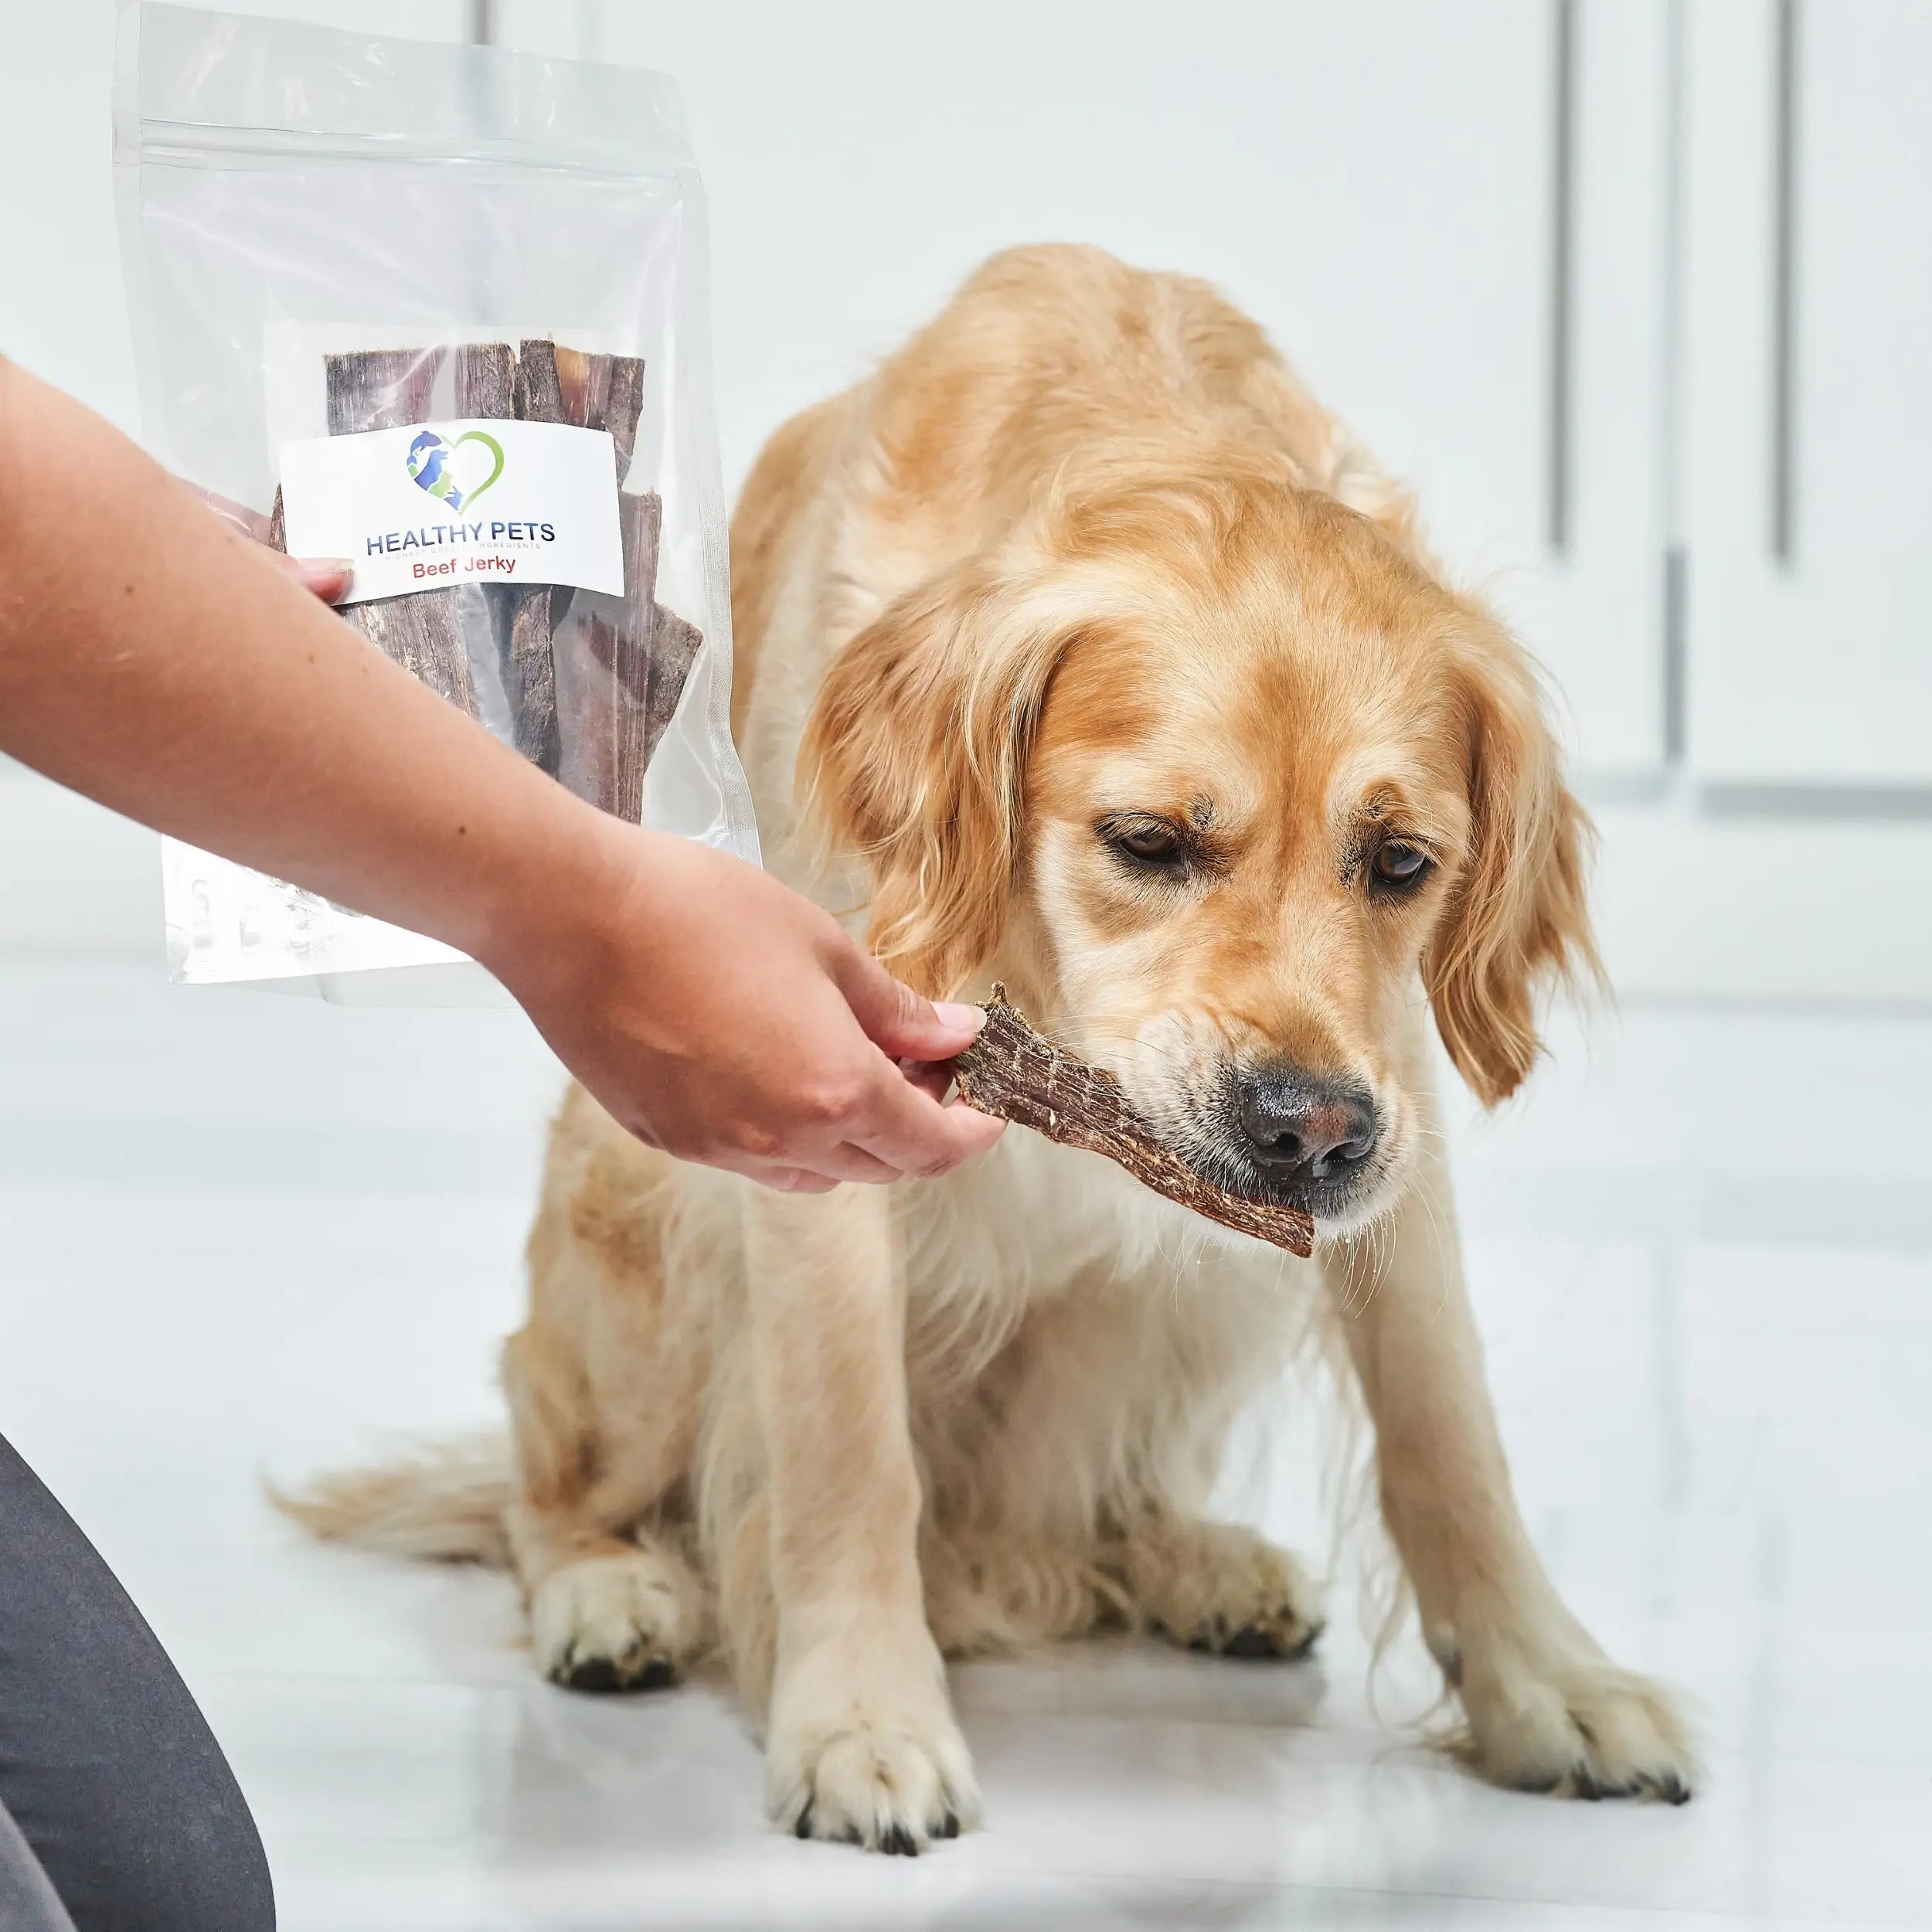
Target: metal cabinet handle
{"x": 1785, "y": 285}
{"x": 1562, "y": 196}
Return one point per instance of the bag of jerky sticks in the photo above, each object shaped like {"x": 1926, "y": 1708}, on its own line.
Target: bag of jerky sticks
{"x": 440, "y": 310}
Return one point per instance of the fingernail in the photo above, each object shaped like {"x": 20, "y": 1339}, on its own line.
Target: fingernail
{"x": 322, "y": 574}
{"x": 968, "y": 1019}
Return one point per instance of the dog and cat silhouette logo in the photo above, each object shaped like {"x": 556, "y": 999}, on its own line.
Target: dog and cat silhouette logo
{"x": 455, "y": 473}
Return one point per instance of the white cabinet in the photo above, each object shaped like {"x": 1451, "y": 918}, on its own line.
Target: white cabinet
{"x": 1594, "y": 600}
{"x": 1375, "y": 182}
{"x": 1603, "y": 279}
{"x": 63, "y": 314}
{"x": 1470, "y": 273}
{"x": 1807, "y": 391}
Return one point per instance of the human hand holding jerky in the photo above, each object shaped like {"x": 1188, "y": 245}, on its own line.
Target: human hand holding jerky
{"x": 171, "y": 669}
{"x": 770, "y": 1041}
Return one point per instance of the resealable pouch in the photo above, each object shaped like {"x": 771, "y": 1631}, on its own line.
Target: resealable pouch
{"x": 440, "y": 310}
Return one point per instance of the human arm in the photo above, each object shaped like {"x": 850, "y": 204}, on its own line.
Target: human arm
{"x": 163, "y": 663}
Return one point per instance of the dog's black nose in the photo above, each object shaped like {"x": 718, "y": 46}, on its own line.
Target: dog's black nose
{"x": 1303, "y": 1129}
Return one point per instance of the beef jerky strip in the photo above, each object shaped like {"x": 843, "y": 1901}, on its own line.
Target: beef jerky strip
{"x": 539, "y": 393}
{"x": 670, "y": 645}
{"x": 380, "y": 388}
{"x": 539, "y": 399}
{"x": 675, "y": 645}
{"x": 389, "y": 388}
{"x": 660, "y": 653}
{"x": 606, "y": 392}
{"x": 603, "y": 392}
{"x": 527, "y": 614}
{"x": 487, "y": 386}
{"x": 1012, "y": 1073}
{"x": 642, "y": 521}
{"x": 617, "y": 631}
{"x": 485, "y": 379}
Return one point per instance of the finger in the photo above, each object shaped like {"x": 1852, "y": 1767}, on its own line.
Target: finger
{"x": 930, "y": 1077}
{"x": 853, "y": 1163}
{"x": 781, "y": 1178}
{"x": 796, "y": 1180}
{"x": 980, "y": 1130}
{"x": 908, "y": 1129}
{"x": 896, "y": 1019}
{"x": 960, "y": 1104}
{"x": 324, "y": 577}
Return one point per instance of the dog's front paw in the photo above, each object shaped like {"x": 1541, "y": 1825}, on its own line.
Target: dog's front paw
{"x": 614, "y": 1623}
{"x": 1217, "y": 1587}
{"x": 860, "y": 1768}
{"x": 1574, "y": 1725}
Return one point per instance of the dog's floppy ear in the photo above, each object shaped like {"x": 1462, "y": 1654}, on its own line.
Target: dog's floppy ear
{"x": 915, "y": 755}
{"x": 1517, "y": 919}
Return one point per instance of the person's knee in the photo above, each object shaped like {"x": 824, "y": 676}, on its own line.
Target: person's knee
{"x": 185, "y": 1858}
{"x": 216, "y": 1881}
{"x": 117, "y": 1787}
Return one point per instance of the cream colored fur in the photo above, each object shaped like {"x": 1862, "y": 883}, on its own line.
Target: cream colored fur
{"x": 838, "y": 1437}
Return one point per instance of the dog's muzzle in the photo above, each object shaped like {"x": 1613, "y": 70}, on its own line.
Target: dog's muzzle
{"x": 1302, "y": 1139}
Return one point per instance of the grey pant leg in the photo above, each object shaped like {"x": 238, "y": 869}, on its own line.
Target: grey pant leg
{"x": 111, "y": 1775}
{"x": 28, "y": 1901}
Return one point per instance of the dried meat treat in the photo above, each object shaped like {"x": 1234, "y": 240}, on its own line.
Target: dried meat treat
{"x": 389, "y": 389}
{"x": 641, "y": 519}
{"x": 1012, "y": 1073}
{"x": 661, "y": 646}
{"x": 603, "y": 392}
{"x": 675, "y": 645}
{"x": 381, "y": 389}
{"x": 606, "y": 392}
{"x": 491, "y": 383}
{"x": 617, "y": 392}
{"x": 529, "y": 673}
{"x": 613, "y": 722}
{"x": 486, "y": 379}
{"x": 528, "y": 614}
{"x": 573, "y": 381}
{"x": 648, "y": 648}
{"x": 630, "y": 656}
{"x": 540, "y": 397}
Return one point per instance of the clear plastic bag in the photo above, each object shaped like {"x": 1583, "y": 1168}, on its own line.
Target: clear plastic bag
{"x": 441, "y": 310}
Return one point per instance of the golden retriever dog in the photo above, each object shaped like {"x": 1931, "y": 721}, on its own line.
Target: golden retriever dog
{"x": 1080, "y": 648}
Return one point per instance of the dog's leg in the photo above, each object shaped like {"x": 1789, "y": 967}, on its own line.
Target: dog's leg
{"x": 998, "y": 1590}
{"x": 1547, "y": 1710}
{"x": 860, "y": 1743}
{"x": 614, "y": 1604}
{"x": 606, "y": 1614}
{"x": 1217, "y": 1587}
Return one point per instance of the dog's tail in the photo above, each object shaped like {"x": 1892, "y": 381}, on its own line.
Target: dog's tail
{"x": 444, "y": 1501}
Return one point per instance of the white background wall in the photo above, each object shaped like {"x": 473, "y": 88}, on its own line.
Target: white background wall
{"x": 1578, "y": 383}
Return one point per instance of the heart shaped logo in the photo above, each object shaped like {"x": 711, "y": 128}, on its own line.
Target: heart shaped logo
{"x": 457, "y": 473}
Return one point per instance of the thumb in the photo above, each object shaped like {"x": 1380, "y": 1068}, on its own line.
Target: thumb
{"x": 898, "y": 1020}
{"x": 326, "y": 578}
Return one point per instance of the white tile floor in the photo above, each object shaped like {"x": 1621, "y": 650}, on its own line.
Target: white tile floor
{"x": 242, "y": 1233}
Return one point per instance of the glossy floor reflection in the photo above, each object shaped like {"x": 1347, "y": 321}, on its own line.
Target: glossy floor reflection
{"x": 244, "y": 1233}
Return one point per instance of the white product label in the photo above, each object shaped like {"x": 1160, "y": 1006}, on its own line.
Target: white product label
{"x": 466, "y": 502}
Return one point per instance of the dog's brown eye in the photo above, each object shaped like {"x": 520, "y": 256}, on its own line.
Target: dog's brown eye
{"x": 1400, "y": 864}
{"x": 1153, "y": 843}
